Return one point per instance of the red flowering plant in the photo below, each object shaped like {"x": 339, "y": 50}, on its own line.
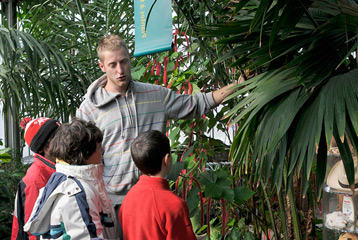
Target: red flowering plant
{"x": 211, "y": 194}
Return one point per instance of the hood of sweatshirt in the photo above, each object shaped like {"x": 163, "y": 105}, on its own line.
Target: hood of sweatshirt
{"x": 98, "y": 96}
{"x": 86, "y": 172}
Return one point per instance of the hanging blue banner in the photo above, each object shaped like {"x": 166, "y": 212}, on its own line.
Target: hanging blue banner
{"x": 153, "y": 26}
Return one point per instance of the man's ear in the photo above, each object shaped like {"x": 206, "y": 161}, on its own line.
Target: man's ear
{"x": 101, "y": 66}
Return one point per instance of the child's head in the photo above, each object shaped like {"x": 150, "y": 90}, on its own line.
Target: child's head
{"x": 77, "y": 143}
{"x": 148, "y": 151}
{"x": 39, "y": 133}
{"x": 110, "y": 43}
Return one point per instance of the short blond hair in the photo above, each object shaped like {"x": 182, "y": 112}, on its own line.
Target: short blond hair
{"x": 110, "y": 43}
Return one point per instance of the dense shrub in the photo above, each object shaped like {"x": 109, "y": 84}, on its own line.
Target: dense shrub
{"x": 11, "y": 172}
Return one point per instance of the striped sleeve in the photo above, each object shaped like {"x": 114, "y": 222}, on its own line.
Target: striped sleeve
{"x": 184, "y": 106}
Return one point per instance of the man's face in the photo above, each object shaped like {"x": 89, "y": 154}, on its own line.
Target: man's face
{"x": 116, "y": 64}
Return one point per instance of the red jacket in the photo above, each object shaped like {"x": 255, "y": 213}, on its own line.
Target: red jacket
{"x": 151, "y": 211}
{"x": 27, "y": 192}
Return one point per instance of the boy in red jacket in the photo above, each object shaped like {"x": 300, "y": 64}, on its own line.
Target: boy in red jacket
{"x": 38, "y": 135}
{"x": 150, "y": 210}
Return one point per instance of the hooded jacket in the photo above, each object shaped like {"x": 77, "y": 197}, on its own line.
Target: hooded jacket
{"x": 120, "y": 118}
{"x": 27, "y": 192}
{"x": 74, "y": 205}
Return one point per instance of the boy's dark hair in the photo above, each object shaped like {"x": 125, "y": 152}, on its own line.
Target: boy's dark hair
{"x": 75, "y": 142}
{"x": 148, "y": 150}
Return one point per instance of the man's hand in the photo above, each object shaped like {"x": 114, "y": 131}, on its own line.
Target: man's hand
{"x": 241, "y": 79}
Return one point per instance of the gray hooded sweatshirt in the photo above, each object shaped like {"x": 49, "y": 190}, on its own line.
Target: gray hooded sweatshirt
{"x": 120, "y": 118}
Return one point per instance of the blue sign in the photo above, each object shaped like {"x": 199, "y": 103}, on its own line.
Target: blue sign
{"x": 153, "y": 26}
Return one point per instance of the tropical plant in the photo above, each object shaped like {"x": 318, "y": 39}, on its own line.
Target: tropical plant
{"x": 11, "y": 173}
{"x": 52, "y": 61}
{"x": 211, "y": 195}
{"x": 35, "y": 77}
{"x": 49, "y": 61}
{"x": 305, "y": 91}
{"x": 296, "y": 50}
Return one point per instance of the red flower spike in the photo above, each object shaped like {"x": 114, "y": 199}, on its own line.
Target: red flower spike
{"x": 190, "y": 88}
{"x": 187, "y": 42}
{"x": 185, "y": 90}
{"x": 183, "y": 192}
{"x": 202, "y": 201}
{"x": 204, "y": 88}
{"x": 165, "y": 76}
{"x": 170, "y": 83}
{"x": 225, "y": 216}
{"x": 176, "y": 64}
{"x": 208, "y": 217}
{"x": 158, "y": 69}
{"x": 177, "y": 185}
{"x": 153, "y": 66}
{"x": 175, "y": 40}
{"x": 168, "y": 124}
{"x": 146, "y": 70}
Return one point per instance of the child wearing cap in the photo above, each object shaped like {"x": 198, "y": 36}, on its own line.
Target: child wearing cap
{"x": 150, "y": 210}
{"x": 74, "y": 203}
{"x": 38, "y": 135}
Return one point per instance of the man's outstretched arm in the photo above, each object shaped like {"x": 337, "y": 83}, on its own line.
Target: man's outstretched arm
{"x": 220, "y": 94}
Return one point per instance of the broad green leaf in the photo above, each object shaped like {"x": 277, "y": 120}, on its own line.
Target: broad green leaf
{"x": 227, "y": 193}
{"x": 249, "y": 236}
{"x": 174, "y": 133}
{"x": 346, "y": 156}
{"x": 240, "y": 5}
{"x": 242, "y": 194}
{"x": 4, "y": 151}
{"x": 235, "y": 234}
{"x": 192, "y": 201}
{"x": 213, "y": 190}
{"x": 189, "y": 162}
{"x": 262, "y": 8}
{"x": 208, "y": 177}
{"x": 187, "y": 153}
{"x": 175, "y": 171}
{"x": 139, "y": 73}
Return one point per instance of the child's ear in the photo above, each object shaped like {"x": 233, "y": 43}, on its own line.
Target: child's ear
{"x": 166, "y": 159}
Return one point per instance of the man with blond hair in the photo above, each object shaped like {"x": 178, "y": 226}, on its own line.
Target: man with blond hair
{"x": 122, "y": 108}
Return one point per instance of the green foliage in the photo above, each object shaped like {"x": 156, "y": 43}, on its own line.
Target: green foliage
{"x": 11, "y": 172}
{"x": 57, "y": 61}
{"x": 304, "y": 61}
{"x": 297, "y": 50}
{"x": 36, "y": 77}
{"x": 240, "y": 232}
{"x": 199, "y": 188}
{"x": 5, "y": 157}
{"x": 49, "y": 63}
{"x": 296, "y": 64}
{"x": 242, "y": 194}
{"x": 217, "y": 185}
